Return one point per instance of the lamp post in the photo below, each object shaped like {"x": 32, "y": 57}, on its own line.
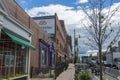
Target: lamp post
{"x": 74, "y": 48}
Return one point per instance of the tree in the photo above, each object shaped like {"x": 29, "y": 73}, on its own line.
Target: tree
{"x": 85, "y": 75}
{"x": 104, "y": 57}
{"x": 99, "y": 25}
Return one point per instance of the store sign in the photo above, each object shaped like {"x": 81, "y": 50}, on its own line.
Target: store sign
{"x": 47, "y": 25}
{"x": 9, "y": 60}
{"x": 51, "y": 43}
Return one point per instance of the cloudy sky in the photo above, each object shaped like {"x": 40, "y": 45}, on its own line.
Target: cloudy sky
{"x": 67, "y": 10}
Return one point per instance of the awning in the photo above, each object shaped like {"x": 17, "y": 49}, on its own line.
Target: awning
{"x": 59, "y": 54}
{"x": 18, "y": 40}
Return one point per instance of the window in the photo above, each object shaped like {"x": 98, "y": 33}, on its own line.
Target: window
{"x": 43, "y": 57}
{"x": 53, "y": 58}
{"x": 12, "y": 57}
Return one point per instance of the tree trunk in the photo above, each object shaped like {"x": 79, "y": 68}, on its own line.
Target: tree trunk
{"x": 100, "y": 53}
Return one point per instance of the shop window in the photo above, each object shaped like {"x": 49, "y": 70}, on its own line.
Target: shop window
{"x": 53, "y": 58}
{"x": 43, "y": 57}
{"x": 12, "y": 57}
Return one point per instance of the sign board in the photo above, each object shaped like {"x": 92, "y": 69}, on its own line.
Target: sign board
{"x": 47, "y": 25}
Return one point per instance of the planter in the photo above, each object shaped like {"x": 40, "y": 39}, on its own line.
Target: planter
{"x": 17, "y": 78}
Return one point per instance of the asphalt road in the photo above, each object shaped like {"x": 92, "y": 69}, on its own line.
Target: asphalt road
{"x": 110, "y": 78}
{"x": 106, "y": 76}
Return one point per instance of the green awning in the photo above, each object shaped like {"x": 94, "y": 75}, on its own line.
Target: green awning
{"x": 18, "y": 40}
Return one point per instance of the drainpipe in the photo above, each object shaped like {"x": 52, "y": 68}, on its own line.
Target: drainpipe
{"x": 29, "y": 55}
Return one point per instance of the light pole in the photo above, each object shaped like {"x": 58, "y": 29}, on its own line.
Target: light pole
{"x": 74, "y": 48}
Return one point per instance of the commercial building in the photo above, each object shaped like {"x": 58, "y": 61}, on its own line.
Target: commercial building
{"x": 15, "y": 45}
{"x": 55, "y": 29}
{"x": 69, "y": 48}
{"x": 24, "y": 45}
{"x": 67, "y": 43}
{"x": 39, "y": 57}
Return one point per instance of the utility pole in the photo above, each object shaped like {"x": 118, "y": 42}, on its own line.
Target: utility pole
{"x": 74, "y": 48}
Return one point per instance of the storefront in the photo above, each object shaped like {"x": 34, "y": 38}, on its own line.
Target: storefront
{"x": 14, "y": 52}
{"x": 14, "y": 48}
{"x": 51, "y": 58}
{"x": 14, "y": 55}
{"x": 52, "y": 54}
{"x": 46, "y": 55}
{"x": 43, "y": 54}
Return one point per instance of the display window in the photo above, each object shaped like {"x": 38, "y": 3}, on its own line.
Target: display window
{"x": 43, "y": 57}
{"x": 13, "y": 58}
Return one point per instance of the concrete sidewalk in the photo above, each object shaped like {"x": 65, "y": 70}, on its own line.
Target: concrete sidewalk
{"x": 68, "y": 74}
{"x": 65, "y": 75}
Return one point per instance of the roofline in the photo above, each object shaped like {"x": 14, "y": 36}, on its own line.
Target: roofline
{"x": 44, "y": 17}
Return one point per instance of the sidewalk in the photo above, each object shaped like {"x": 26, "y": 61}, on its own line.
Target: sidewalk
{"x": 68, "y": 74}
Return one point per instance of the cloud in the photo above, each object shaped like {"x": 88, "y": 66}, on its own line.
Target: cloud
{"x": 73, "y": 19}
{"x": 115, "y": 18}
{"x": 66, "y": 13}
{"x": 23, "y": 2}
{"x": 81, "y": 1}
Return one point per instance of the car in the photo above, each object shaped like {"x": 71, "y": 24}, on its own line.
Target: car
{"x": 80, "y": 67}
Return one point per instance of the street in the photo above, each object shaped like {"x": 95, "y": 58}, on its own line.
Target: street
{"x": 110, "y": 78}
{"x": 106, "y": 76}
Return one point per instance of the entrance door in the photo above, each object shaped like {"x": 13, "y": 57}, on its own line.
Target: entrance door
{"x": 6, "y": 63}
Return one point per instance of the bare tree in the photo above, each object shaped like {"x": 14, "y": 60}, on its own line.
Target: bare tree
{"x": 100, "y": 26}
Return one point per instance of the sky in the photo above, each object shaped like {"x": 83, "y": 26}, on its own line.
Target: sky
{"x": 67, "y": 10}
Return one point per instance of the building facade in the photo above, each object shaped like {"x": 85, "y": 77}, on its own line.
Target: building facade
{"x": 15, "y": 46}
{"x": 41, "y": 56}
{"x": 55, "y": 29}
{"x": 69, "y": 48}
{"x": 30, "y": 35}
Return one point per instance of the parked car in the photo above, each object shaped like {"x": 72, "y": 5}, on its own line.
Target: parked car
{"x": 80, "y": 67}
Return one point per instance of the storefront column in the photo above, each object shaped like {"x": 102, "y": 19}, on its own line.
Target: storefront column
{"x": 28, "y": 61}
{"x": 15, "y": 58}
{"x": 0, "y": 31}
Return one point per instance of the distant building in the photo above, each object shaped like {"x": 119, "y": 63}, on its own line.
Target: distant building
{"x": 69, "y": 48}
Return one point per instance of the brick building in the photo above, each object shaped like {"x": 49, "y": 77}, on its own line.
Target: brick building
{"x": 55, "y": 29}
{"x": 39, "y": 57}
{"x": 15, "y": 44}
{"x": 69, "y": 48}
{"x": 67, "y": 42}
{"x": 30, "y": 33}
